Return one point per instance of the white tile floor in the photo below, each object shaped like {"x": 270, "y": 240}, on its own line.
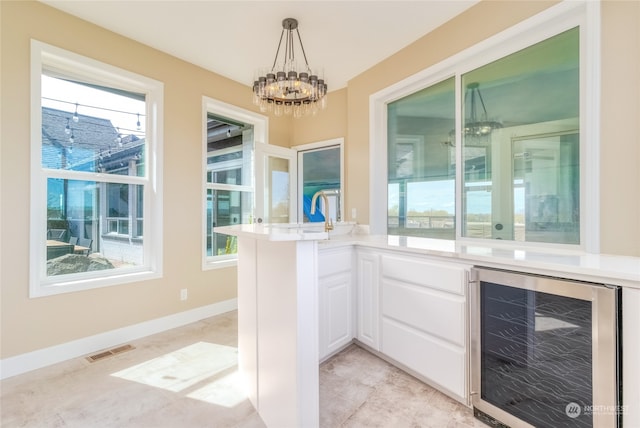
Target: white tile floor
{"x": 187, "y": 377}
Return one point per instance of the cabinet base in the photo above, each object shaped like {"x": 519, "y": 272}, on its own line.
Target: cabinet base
{"x": 489, "y": 420}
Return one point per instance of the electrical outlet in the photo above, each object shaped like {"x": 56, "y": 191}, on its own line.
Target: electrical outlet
{"x": 353, "y": 213}
{"x": 183, "y": 294}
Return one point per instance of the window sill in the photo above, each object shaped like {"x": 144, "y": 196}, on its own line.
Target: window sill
{"x": 228, "y": 261}
{"x": 67, "y": 284}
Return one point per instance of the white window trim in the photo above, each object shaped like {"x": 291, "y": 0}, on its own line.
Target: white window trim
{"x": 74, "y": 65}
{"x": 548, "y": 23}
{"x": 260, "y": 135}
{"x": 315, "y": 146}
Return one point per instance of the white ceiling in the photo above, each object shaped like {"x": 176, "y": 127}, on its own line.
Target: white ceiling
{"x": 234, "y": 38}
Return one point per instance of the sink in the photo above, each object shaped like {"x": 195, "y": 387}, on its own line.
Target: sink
{"x": 342, "y": 228}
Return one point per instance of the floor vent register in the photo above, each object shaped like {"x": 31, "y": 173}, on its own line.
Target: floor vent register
{"x": 106, "y": 354}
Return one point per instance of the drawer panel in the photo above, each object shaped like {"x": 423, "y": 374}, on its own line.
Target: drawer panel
{"x": 331, "y": 261}
{"x": 434, "y": 312}
{"x": 441, "y": 364}
{"x": 441, "y": 276}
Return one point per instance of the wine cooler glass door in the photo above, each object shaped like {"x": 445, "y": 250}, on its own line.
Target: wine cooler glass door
{"x": 534, "y": 359}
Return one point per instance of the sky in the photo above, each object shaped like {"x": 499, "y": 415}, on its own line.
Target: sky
{"x": 440, "y": 195}
{"x": 104, "y": 101}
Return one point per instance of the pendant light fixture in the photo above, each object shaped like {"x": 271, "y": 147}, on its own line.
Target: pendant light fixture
{"x": 285, "y": 89}
{"x": 475, "y": 125}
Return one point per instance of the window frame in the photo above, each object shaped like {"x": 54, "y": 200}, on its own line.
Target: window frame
{"x": 548, "y": 23}
{"x": 86, "y": 69}
{"x": 319, "y": 145}
{"x": 260, "y": 135}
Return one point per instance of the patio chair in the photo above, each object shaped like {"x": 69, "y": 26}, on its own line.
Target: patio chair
{"x": 57, "y": 234}
{"x": 85, "y": 242}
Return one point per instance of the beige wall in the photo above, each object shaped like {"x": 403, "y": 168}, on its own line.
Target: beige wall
{"x": 30, "y": 324}
{"x": 620, "y": 129}
{"x": 327, "y": 124}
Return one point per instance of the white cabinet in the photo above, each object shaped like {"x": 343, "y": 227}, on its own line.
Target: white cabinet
{"x": 424, "y": 319}
{"x": 278, "y": 329}
{"x": 410, "y": 308}
{"x": 367, "y": 298}
{"x": 335, "y": 288}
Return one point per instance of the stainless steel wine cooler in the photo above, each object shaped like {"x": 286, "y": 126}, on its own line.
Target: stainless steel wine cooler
{"x": 545, "y": 352}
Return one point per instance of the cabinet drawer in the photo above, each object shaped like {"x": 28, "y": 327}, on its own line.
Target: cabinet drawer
{"x": 441, "y": 276}
{"x": 439, "y": 314}
{"x": 440, "y": 363}
{"x": 332, "y": 261}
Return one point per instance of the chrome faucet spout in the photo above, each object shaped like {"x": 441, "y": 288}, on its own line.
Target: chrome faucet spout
{"x": 328, "y": 224}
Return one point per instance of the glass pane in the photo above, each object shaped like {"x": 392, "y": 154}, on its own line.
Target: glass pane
{"x": 92, "y": 128}
{"x": 230, "y": 176}
{"x": 546, "y": 186}
{"x": 91, "y": 226}
{"x": 421, "y": 169}
{"x": 226, "y": 208}
{"x": 536, "y": 355}
{"x": 521, "y": 146}
{"x": 278, "y": 177}
{"x": 229, "y": 152}
{"x": 230, "y": 163}
{"x": 321, "y": 171}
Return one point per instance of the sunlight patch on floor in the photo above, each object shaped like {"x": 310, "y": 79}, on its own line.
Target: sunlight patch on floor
{"x": 226, "y": 391}
{"x": 183, "y": 368}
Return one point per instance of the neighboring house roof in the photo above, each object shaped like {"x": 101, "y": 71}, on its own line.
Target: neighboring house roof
{"x": 95, "y": 146}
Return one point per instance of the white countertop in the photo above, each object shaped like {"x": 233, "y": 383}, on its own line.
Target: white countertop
{"x": 612, "y": 269}
{"x": 274, "y": 232}
{"x": 618, "y": 270}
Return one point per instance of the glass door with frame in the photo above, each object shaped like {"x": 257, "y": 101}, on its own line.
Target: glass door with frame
{"x": 275, "y": 184}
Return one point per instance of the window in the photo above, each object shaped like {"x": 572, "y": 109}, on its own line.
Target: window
{"x": 320, "y": 170}
{"x": 492, "y": 143}
{"x": 521, "y": 178}
{"x": 229, "y": 137}
{"x": 229, "y": 181}
{"x": 94, "y": 192}
{"x": 421, "y": 163}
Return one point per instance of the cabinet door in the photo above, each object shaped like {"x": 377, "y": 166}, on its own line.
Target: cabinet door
{"x": 335, "y": 313}
{"x": 368, "y": 270}
{"x": 335, "y": 300}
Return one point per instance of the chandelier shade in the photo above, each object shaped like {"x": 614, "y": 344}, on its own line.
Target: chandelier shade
{"x": 286, "y": 89}
{"x": 475, "y": 125}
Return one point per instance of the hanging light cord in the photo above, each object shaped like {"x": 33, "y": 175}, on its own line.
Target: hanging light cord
{"x": 275, "y": 60}
{"x": 94, "y": 107}
{"x": 302, "y": 48}
{"x": 289, "y": 53}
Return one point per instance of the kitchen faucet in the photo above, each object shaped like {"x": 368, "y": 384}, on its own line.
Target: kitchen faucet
{"x": 328, "y": 225}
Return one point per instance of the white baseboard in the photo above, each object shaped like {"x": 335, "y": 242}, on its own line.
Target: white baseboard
{"x": 54, "y": 354}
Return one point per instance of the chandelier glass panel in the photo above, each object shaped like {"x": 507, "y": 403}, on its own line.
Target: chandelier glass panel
{"x": 282, "y": 88}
